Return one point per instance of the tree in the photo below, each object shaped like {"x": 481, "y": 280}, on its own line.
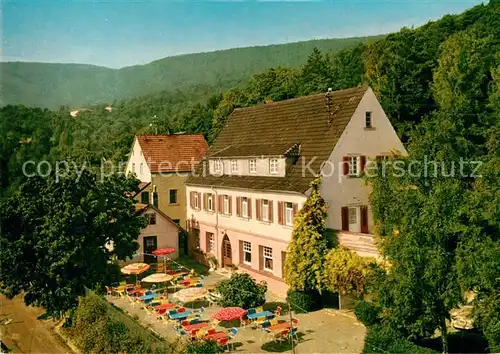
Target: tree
{"x": 316, "y": 74}
{"x": 241, "y": 290}
{"x": 54, "y": 234}
{"x": 304, "y": 264}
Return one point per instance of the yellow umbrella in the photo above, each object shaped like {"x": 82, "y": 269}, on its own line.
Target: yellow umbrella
{"x": 190, "y": 294}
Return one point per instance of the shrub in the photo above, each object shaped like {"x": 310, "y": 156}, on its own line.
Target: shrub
{"x": 203, "y": 347}
{"x": 367, "y": 313}
{"x": 241, "y": 290}
{"x": 303, "y": 301}
{"x": 380, "y": 338}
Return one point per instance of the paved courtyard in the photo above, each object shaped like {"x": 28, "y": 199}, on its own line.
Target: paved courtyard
{"x": 324, "y": 331}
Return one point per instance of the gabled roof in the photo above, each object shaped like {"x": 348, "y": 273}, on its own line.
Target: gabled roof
{"x": 142, "y": 208}
{"x": 172, "y": 153}
{"x": 313, "y": 123}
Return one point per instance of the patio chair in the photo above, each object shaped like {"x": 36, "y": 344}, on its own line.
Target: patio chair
{"x": 293, "y": 333}
{"x": 120, "y": 290}
{"x": 278, "y": 310}
{"x": 295, "y": 321}
{"x": 265, "y": 324}
{"x": 259, "y": 309}
{"x": 281, "y": 335}
{"x": 251, "y": 311}
{"x": 211, "y": 331}
{"x": 149, "y": 313}
{"x": 232, "y": 333}
{"x": 274, "y": 322}
{"x": 109, "y": 291}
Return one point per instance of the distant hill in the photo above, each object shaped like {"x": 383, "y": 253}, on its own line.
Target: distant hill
{"x": 52, "y": 85}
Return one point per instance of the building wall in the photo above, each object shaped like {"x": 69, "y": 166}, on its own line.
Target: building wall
{"x": 164, "y": 183}
{"x": 339, "y": 190}
{"x": 166, "y": 233}
{"x": 136, "y": 157}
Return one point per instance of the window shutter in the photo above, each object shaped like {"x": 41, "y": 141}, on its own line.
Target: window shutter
{"x": 241, "y": 251}
{"x": 280, "y": 213}
{"x": 257, "y": 209}
{"x": 345, "y": 164}
{"x": 207, "y": 242}
{"x": 238, "y": 206}
{"x": 364, "y": 219}
{"x": 261, "y": 258}
{"x": 204, "y": 201}
{"x": 345, "y": 218}
{"x": 295, "y": 206}
{"x": 270, "y": 211}
{"x": 191, "y": 198}
{"x": 221, "y": 200}
{"x": 249, "y": 207}
{"x": 230, "y": 202}
{"x": 199, "y": 200}
{"x": 362, "y": 163}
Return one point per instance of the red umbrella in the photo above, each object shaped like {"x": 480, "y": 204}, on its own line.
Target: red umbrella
{"x": 163, "y": 251}
{"x": 229, "y": 314}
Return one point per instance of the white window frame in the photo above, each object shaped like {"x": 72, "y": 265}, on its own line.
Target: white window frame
{"x": 196, "y": 204}
{"x": 353, "y": 165}
{"x": 141, "y": 168}
{"x": 264, "y": 210}
{"x": 273, "y": 166}
{"x": 267, "y": 253}
{"x": 210, "y": 202}
{"x": 218, "y": 166}
{"x": 211, "y": 243}
{"x": 252, "y": 166}
{"x": 225, "y": 205}
{"x": 234, "y": 166}
{"x": 244, "y": 207}
{"x": 368, "y": 114}
{"x": 288, "y": 213}
{"x": 353, "y": 213}
{"x": 247, "y": 249}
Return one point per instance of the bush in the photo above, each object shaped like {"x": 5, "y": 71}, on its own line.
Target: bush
{"x": 380, "y": 338}
{"x": 367, "y": 313}
{"x": 301, "y": 302}
{"x": 241, "y": 290}
{"x": 203, "y": 347}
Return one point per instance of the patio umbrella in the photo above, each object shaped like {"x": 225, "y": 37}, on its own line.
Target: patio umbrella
{"x": 229, "y": 314}
{"x": 190, "y": 294}
{"x": 135, "y": 268}
{"x": 157, "y": 278}
{"x": 164, "y": 252}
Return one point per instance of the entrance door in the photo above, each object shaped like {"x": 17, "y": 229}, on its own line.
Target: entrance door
{"x": 150, "y": 244}
{"x": 364, "y": 220}
{"x": 227, "y": 252}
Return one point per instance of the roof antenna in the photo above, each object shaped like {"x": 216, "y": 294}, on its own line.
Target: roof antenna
{"x": 329, "y": 104}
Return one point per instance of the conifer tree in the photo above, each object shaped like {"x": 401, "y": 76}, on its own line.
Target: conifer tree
{"x": 306, "y": 252}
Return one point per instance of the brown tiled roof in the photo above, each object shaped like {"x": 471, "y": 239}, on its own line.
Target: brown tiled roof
{"x": 141, "y": 208}
{"x": 175, "y": 152}
{"x": 272, "y": 128}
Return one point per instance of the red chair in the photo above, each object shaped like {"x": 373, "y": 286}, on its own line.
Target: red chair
{"x": 223, "y": 341}
{"x": 181, "y": 309}
{"x": 295, "y": 321}
{"x": 109, "y": 291}
{"x": 277, "y": 312}
{"x": 211, "y": 331}
{"x": 185, "y": 323}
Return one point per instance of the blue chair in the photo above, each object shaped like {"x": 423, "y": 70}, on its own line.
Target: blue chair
{"x": 199, "y": 285}
{"x": 202, "y": 309}
{"x": 266, "y": 324}
{"x": 293, "y": 333}
{"x": 251, "y": 311}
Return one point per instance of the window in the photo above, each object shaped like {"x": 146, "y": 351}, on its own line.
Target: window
{"x": 133, "y": 168}
{"x": 268, "y": 258}
{"x": 273, "y": 166}
{"x": 210, "y": 242}
{"x": 150, "y": 242}
{"x": 141, "y": 168}
{"x": 234, "y": 165}
{"x": 264, "y": 210}
{"x": 225, "y": 206}
{"x": 247, "y": 253}
{"x": 155, "y": 199}
{"x": 145, "y": 197}
{"x": 210, "y": 202}
{"x": 218, "y": 167}
{"x": 244, "y": 207}
{"x": 151, "y": 217}
{"x": 195, "y": 201}
{"x": 368, "y": 119}
{"x": 353, "y": 219}
{"x": 288, "y": 213}
{"x": 196, "y": 239}
{"x": 173, "y": 196}
{"x": 252, "y": 166}
{"x": 353, "y": 166}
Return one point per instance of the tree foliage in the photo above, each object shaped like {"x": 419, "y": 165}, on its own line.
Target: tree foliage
{"x": 304, "y": 263}
{"x": 241, "y": 290}
{"x": 54, "y": 235}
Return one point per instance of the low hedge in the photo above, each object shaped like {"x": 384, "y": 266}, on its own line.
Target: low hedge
{"x": 301, "y": 302}
{"x": 380, "y": 338}
{"x": 367, "y": 313}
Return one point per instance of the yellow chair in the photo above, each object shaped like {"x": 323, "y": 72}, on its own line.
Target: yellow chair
{"x": 120, "y": 290}
{"x": 274, "y": 321}
{"x": 259, "y": 309}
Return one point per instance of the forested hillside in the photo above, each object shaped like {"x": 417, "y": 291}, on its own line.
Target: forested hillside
{"x": 53, "y": 85}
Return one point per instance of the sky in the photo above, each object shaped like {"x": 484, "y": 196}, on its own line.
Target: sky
{"x": 118, "y": 33}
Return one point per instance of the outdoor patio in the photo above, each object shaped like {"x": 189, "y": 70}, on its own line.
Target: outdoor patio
{"x": 319, "y": 331}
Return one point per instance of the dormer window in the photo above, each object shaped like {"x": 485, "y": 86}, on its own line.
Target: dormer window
{"x": 273, "y": 166}
{"x": 252, "y": 166}
{"x": 218, "y": 166}
{"x": 368, "y": 119}
{"x": 234, "y": 166}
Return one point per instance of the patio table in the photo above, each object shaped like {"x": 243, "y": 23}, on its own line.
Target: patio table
{"x": 196, "y": 326}
{"x": 164, "y": 307}
{"x": 217, "y": 336}
{"x": 280, "y": 326}
{"x": 257, "y": 315}
{"x": 180, "y": 315}
{"x": 147, "y": 298}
